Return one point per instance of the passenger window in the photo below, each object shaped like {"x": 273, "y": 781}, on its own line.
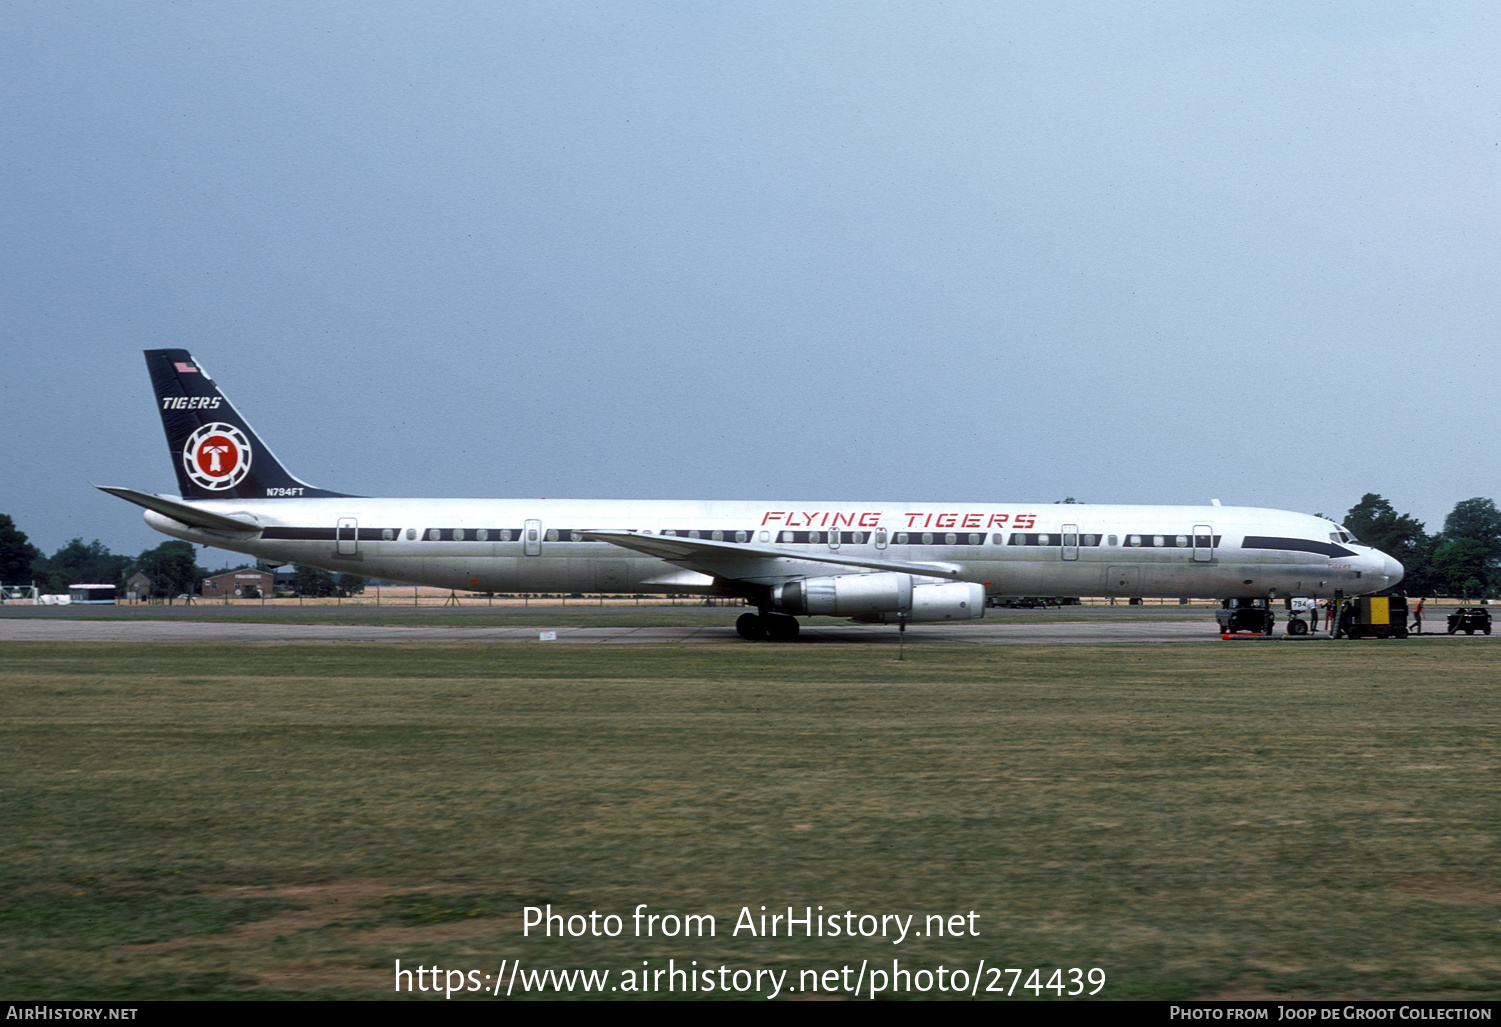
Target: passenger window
{"x": 552, "y": 535}
{"x": 433, "y": 534}
{"x": 505, "y": 535}
{"x": 813, "y": 536}
{"x": 950, "y": 539}
{"x": 483, "y": 534}
{"x": 741, "y": 536}
{"x": 765, "y": 535}
{"x": 1157, "y": 541}
{"x": 1111, "y": 540}
{"x": 411, "y": 534}
{"x": 693, "y": 533}
{"x": 927, "y": 538}
{"x": 901, "y": 538}
{"x": 1042, "y": 540}
{"x": 575, "y": 536}
{"x": 458, "y": 534}
{"x": 1089, "y": 540}
{"x": 387, "y": 534}
{"x": 974, "y": 540}
{"x": 1134, "y": 540}
{"x": 531, "y": 534}
{"x": 719, "y": 536}
{"x": 857, "y": 537}
{"x": 1182, "y": 541}
{"x": 995, "y": 539}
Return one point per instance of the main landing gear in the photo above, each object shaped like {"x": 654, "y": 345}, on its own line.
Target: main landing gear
{"x": 778, "y": 627}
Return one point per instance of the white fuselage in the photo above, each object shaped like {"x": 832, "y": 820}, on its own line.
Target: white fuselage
{"x": 1045, "y": 550}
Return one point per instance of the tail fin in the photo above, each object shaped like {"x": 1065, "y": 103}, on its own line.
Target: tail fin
{"x": 216, "y": 454}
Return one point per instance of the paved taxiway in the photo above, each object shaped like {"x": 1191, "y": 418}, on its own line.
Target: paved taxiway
{"x": 184, "y": 630}
{"x": 167, "y": 631}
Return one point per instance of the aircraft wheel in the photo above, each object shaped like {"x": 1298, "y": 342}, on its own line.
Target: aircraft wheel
{"x": 1297, "y": 627}
{"x": 750, "y": 628}
{"x": 782, "y": 628}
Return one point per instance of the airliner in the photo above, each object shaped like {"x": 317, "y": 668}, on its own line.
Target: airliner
{"x": 873, "y": 562}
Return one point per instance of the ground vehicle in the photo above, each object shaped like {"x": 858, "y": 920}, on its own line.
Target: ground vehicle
{"x": 1372, "y": 617}
{"x": 1470, "y": 618}
{"x": 1245, "y": 615}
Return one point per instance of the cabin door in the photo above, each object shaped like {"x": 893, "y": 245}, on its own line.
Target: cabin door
{"x": 347, "y": 536}
{"x": 531, "y": 538}
{"x": 1203, "y": 543}
{"x": 1070, "y": 541}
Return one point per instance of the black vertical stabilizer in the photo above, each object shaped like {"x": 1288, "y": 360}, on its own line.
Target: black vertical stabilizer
{"x": 216, "y": 454}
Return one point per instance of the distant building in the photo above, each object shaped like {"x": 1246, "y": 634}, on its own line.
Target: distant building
{"x": 137, "y": 587}
{"x": 245, "y": 581}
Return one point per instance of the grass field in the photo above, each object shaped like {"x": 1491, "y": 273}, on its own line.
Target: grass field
{"x": 1197, "y": 820}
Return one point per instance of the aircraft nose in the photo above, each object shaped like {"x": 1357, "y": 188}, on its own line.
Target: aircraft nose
{"x": 1392, "y": 569}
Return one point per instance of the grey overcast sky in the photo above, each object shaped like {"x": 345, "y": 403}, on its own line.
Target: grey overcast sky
{"x": 1128, "y": 252}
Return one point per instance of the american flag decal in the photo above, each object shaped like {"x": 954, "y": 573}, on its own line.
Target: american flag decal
{"x": 185, "y": 368}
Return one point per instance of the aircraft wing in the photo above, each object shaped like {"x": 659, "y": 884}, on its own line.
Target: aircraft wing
{"x": 184, "y": 512}
{"x": 742, "y": 562}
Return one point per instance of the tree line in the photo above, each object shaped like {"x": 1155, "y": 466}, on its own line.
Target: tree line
{"x": 171, "y": 567}
{"x": 1464, "y": 559}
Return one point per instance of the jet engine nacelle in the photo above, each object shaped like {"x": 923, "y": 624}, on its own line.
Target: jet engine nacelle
{"x": 871, "y": 597}
{"x": 953, "y": 600}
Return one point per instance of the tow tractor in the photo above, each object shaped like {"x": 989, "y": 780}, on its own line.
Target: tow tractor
{"x": 1470, "y": 619}
{"x": 1253, "y": 615}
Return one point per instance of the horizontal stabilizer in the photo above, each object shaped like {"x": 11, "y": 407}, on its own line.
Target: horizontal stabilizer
{"x": 183, "y": 512}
